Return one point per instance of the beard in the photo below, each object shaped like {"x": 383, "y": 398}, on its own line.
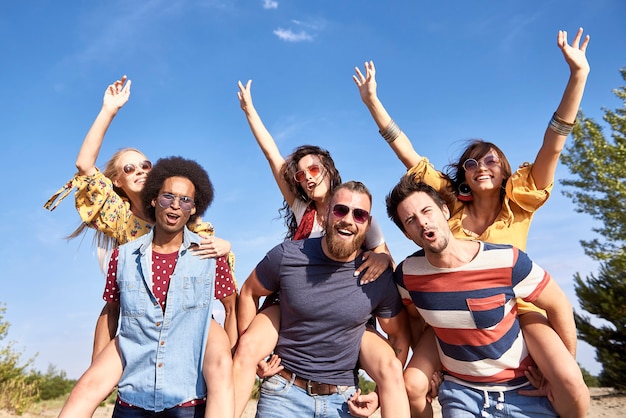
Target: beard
{"x": 340, "y": 248}
{"x": 438, "y": 246}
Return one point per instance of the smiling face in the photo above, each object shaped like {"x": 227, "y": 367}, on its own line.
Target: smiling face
{"x": 171, "y": 219}
{"x": 132, "y": 181}
{"x": 484, "y": 174}
{"x": 343, "y": 235}
{"x": 315, "y": 186}
{"x": 424, "y": 222}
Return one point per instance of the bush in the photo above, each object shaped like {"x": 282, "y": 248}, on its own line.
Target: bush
{"x": 16, "y": 392}
{"x": 53, "y": 384}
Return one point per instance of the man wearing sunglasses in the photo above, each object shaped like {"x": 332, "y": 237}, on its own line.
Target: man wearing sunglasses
{"x": 324, "y": 310}
{"x": 467, "y": 291}
{"x": 168, "y": 343}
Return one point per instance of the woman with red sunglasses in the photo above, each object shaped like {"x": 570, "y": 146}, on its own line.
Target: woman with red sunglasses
{"x": 110, "y": 203}
{"x": 306, "y": 179}
{"x": 490, "y": 203}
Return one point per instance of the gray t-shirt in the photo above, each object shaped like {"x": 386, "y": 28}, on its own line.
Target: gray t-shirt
{"x": 323, "y": 309}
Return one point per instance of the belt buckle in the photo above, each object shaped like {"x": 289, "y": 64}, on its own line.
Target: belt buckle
{"x": 309, "y": 388}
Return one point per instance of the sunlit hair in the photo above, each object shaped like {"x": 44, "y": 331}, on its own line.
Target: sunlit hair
{"x": 177, "y": 167}
{"x": 401, "y": 191}
{"x": 291, "y": 166}
{"x": 112, "y": 168}
{"x": 477, "y": 149}
{"x": 352, "y": 186}
{"x": 112, "y": 171}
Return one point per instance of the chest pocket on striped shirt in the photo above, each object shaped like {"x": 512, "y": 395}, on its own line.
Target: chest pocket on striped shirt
{"x": 488, "y": 311}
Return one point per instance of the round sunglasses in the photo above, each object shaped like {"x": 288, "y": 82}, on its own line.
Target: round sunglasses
{"x": 130, "y": 168}
{"x": 472, "y": 164}
{"x": 166, "y": 200}
{"x": 360, "y": 216}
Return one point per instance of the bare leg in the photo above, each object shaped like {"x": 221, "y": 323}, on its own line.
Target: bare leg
{"x": 95, "y": 384}
{"x": 570, "y": 396}
{"x": 254, "y": 345}
{"x": 418, "y": 374}
{"x": 381, "y": 364}
{"x": 217, "y": 369}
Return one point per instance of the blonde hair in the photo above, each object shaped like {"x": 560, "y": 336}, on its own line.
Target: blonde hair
{"x": 111, "y": 171}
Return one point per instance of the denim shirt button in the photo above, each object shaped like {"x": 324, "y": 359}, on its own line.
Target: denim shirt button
{"x": 158, "y": 324}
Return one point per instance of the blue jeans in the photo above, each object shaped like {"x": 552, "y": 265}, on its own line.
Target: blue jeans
{"x": 121, "y": 411}
{"x": 458, "y": 401}
{"x": 281, "y": 399}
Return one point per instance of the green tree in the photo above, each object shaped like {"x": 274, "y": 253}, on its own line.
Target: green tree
{"x": 16, "y": 392}
{"x": 599, "y": 189}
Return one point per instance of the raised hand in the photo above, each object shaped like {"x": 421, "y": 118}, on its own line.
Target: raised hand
{"x": 574, "y": 54}
{"x": 367, "y": 83}
{"x": 244, "y": 95}
{"x": 117, "y": 94}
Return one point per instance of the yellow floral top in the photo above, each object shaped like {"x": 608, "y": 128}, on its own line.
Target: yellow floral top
{"x": 102, "y": 209}
{"x": 511, "y": 226}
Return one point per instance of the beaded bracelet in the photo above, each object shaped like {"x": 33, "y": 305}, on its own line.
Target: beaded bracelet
{"x": 560, "y": 126}
{"x": 391, "y": 132}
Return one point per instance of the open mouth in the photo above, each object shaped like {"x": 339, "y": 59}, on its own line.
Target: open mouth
{"x": 429, "y": 234}
{"x": 172, "y": 218}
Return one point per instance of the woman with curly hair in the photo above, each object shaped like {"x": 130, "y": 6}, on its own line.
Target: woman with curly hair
{"x": 306, "y": 179}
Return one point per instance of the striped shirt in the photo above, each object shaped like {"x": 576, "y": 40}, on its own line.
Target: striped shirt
{"x": 473, "y": 310}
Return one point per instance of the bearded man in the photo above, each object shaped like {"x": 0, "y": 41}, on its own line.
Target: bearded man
{"x": 324, "y": 310}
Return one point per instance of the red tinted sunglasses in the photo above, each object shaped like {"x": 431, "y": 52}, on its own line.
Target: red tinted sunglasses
{"x": 314, "y": 170}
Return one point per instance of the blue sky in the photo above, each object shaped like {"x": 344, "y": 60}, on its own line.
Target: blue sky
{"x": 447, "y": 72}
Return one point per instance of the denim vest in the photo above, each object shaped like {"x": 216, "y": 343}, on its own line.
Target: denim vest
{"x": 162, "y": 352}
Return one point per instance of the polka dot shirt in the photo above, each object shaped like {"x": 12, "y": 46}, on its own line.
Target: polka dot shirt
{"x": 162, "y": 268}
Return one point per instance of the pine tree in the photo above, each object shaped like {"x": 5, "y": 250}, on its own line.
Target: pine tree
{"x": 599, "y": 189}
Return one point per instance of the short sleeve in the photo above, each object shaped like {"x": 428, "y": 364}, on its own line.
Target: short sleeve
{"x": 425, "y": 172}
{"x": 111, "y": 291}
{"x": 224, "y": 283}
{"x": 268, "y": 270}
{"x": 374, "y": 236}
{"x": 521, "y": 189}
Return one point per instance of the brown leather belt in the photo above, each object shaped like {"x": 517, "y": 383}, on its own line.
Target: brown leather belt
{"x": 312, "y": 388}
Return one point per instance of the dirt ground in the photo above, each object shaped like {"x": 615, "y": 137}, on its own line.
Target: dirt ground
{"x": 604, "y": 403}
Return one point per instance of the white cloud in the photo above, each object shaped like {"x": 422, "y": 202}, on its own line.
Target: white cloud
{"x": 290, "y": 36}
{"x": 270, "y": 4}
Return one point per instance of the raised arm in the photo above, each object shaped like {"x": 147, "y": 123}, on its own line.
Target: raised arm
{"x": 265, "y": 140}
{"x": 401, "y": 145}
{"x": 115, "y": 96}
{"x": 565, "y": 115}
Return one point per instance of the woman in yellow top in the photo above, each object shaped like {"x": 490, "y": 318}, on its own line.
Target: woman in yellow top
{"x": 490, "y": 203}
{"x": 110, "y": 203}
